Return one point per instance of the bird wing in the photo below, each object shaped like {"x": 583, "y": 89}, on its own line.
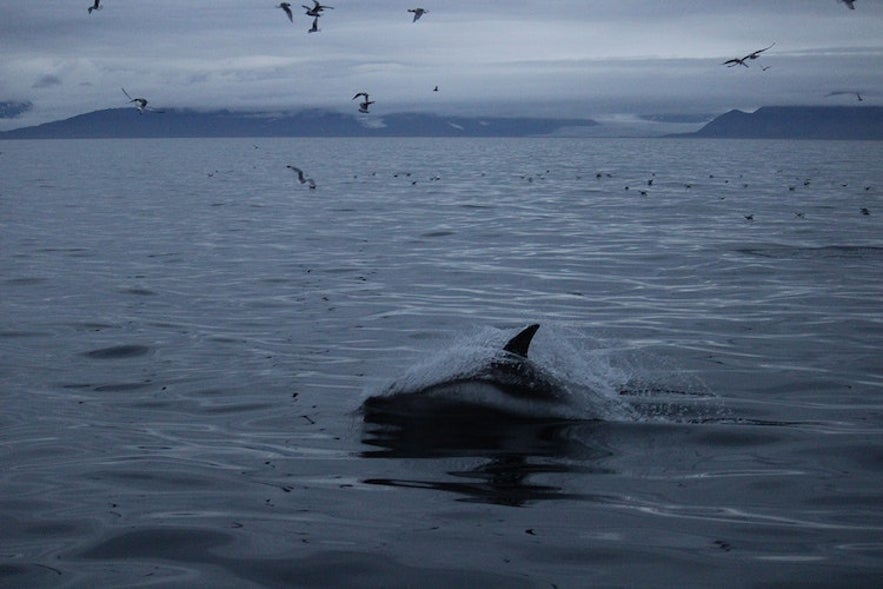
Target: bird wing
{"x": 756, "y": 54}
{"x": 300, "y": 173}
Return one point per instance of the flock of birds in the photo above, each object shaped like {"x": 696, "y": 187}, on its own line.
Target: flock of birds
{"x": 317, "y": 9}
{"x": 642, "y": 187}
{"x": 316, "y": 12}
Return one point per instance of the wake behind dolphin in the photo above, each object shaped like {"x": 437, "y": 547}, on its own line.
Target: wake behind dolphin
{"x": 479, "y": 382}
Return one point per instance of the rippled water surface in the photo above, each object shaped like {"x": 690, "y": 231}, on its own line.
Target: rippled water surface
{"x": 187, "y": 334}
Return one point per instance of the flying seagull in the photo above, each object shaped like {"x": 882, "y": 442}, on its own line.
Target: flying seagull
{"x": 363, "y": 106}
{"x": 140, "y": 103}
{"x": 302, "y": 178}
{"x": 316, "y": 9}
{"x": 418, "y": 12}
{"x": 286, "y": 7}
{"x": 95, "y": 6}
{"x": 750, "y": 57}
{"x": 849, "y": 92}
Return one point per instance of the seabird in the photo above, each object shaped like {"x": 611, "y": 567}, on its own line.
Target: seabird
{"x": 435, "y": 89}
{"x": 849, "y": 3}
{"x": 95, "y": 6}
{"x": 302, "y": 178}
{"x": 857, "y": 95}
{"x": 315, "y": 27}
{"x": 286, "y": 6}
{"x": 418, "y": 12}
{"x": 316, "y": 9}
{"x": 140, "y": 103}
{"x": 363, "y": 106}
{"x": 750, "y": 57}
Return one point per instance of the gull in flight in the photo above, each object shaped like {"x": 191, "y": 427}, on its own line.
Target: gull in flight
{"x": 303, "y": 179}
{"x": 750, "y": 57}
{"x": 316, "y": 9}
{"x": 363, "y": 106}
{"x": 140, "y": 103}
{"x": 418, "y": 12}
{"x": 849, "y": 92}
{"x": 95, "y": 6}
{"x": 286, "y": 6}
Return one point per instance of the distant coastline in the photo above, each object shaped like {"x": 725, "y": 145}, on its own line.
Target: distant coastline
{"x": 128, "y": 123}
{"x": 796, "y": 122}
{"x": 769, "y": 122}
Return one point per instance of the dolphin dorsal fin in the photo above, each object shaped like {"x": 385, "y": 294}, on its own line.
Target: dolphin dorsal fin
{"x": 520, "y": 343}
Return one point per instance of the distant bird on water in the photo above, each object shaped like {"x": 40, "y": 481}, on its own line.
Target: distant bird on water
{"x": 363, "y": 106}
{"x": 140, "y": 103}
{"x": 286, "y": 7}
{"x": 302, "y": 178}
{"x": 418, "y": 12}
{"x": 849, "y": 3}
{"x": 95, "y": 6}
{"x": 750, "y": 57}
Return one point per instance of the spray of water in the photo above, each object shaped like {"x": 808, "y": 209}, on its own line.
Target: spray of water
{"x": 592, "y": 386}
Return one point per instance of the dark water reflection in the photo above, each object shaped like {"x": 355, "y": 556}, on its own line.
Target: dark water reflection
{"x": 512, "y": 453}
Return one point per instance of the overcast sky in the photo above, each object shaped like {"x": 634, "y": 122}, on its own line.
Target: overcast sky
{"x": 601, "y": 59}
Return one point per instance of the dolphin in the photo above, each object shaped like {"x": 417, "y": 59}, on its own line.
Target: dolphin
{"x": 508, "y": 385}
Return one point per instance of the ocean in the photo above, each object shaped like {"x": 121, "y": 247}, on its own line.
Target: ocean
{"x": 187, "y": 334}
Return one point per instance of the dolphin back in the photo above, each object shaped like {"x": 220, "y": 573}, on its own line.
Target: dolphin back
{"x": 519, "y": 344}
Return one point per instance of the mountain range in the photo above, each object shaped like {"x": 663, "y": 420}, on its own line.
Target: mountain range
{"x": 128, "y": 122}
{"x": 797, "y": 122}
{"x": 770, "y": 122}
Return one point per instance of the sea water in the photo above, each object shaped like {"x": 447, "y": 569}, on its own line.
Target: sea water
{"x": 187, "y": 333}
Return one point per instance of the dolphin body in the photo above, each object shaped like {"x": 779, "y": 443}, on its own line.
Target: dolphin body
{"x": 508, "y": 386}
